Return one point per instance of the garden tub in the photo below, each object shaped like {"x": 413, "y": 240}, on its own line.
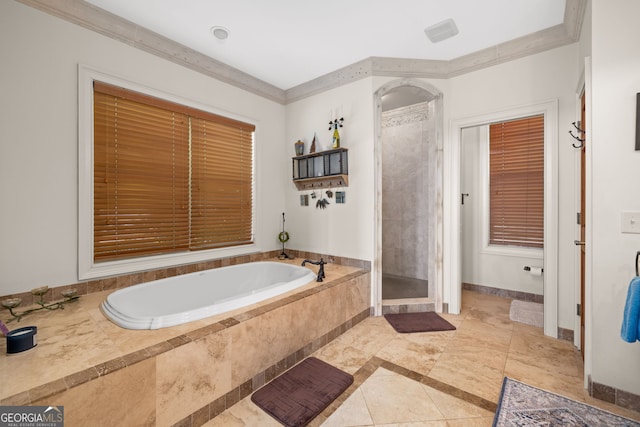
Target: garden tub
{"x": 194, "y": 296}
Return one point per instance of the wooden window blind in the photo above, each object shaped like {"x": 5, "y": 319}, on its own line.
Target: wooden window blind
{"x": 516, "y": 182}
{"x": 167, "y": 177}
{"x": 221, "y": 191}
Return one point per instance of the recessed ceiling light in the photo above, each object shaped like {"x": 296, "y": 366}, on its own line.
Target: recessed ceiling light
{"x": 220, "y": 33}
{"x": 441, "y": 31}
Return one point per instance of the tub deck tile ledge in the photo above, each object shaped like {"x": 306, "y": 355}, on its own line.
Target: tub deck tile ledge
{"x": 123, "y": 354}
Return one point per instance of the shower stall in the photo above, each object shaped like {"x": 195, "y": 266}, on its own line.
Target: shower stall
{"x": 408, "y": 155}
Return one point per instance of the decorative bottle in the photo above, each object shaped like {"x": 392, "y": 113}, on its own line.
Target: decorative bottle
{"x": 335, "y": 124}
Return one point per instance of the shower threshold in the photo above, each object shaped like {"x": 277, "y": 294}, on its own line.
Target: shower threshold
{"x": 408, "y": 305}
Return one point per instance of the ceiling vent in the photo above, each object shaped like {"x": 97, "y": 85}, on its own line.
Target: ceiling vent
{"x": 441, "y": 31}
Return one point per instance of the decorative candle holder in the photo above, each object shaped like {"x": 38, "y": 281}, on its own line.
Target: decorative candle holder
{"x": 10, "y": 304}
{"x": 40, "y": 292}
{"x": 69, "y": 293}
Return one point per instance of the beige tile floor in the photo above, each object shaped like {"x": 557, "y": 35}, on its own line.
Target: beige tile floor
{"x": 440, "y": 378}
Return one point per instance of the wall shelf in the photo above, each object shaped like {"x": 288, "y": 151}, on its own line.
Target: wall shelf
{"x": 320, "y": 170}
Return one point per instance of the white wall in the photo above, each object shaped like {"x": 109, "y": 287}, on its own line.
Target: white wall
{"x": 550, "y": 75}
{"x": 39, "y": 146}
{"x": 615, "y": 187}
{"x": 345, "y": 229}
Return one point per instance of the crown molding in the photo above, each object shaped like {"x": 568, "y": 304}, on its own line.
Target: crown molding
{"x": 566, "y": 33}
{"x": 95, "y": 19}
{"x": 100, "y": 21}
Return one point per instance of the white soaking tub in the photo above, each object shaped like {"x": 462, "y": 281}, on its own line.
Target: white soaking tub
{"x": 194, "y": 296}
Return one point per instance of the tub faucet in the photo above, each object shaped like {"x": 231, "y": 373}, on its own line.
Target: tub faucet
{"x": 321, "y": 263}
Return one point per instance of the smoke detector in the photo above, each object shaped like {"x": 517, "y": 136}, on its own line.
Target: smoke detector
{"x": 441, "y": 31}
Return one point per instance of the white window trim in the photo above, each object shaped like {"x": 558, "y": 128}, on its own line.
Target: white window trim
{"x": 87, "y": 268}
{"x": 487, "y": 248}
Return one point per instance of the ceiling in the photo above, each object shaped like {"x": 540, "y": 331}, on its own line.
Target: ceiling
{"x": 286, "y": 43}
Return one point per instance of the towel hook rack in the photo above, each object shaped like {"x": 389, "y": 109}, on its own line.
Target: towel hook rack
{"x": 576, "y": 137}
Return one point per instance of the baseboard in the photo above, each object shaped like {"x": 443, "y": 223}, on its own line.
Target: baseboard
{"x": 565, "y": 334}
{"x": 505, "y": 293}
{"x": 613, "y": 395}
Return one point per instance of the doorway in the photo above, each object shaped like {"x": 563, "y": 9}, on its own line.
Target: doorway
{"x": 501, "y": 207}
{"x": 408, "y": 192}
{"x": 452, "y": 213}
{"x": 406, "y": 180}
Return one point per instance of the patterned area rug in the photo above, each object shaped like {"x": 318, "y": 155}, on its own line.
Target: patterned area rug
{"x": 523, "y": 405}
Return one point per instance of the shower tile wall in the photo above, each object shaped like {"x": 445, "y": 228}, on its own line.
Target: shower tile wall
{"x": 408, "y": 212}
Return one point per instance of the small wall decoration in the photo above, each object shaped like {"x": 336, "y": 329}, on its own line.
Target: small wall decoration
{"x": 312, "y": 149}
{"x": 335, "y": 124}
{"x": 340, "y": 197}
{"x": 322, "y": 203}
{"x": 283, "y": 237}
{"x": 304, "y": 200}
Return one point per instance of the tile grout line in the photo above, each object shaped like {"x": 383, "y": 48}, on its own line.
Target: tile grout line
{"x": 364, "y": 372}
{"x": 441, "y": 386}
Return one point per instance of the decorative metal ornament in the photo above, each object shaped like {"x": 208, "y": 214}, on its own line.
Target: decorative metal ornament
{"x": 283, "y": 237}
{"x": 322, "y": 203}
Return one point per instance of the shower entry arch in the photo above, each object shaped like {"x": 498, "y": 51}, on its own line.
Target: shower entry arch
{"x": 395, "y": 93}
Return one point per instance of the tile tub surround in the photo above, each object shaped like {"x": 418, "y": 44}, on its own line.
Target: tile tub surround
{"x": 188, "y": 372}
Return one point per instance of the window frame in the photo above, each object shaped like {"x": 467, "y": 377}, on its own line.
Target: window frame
{"x": 486, "y": 248}
{"x": 486, "y": 175}
{"x": 87, "y": 267}
{"x": 549, "y": 126}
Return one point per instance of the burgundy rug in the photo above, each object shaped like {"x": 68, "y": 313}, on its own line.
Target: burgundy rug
{"x": 300, "y": 394}
{"x": 418, "y": 322}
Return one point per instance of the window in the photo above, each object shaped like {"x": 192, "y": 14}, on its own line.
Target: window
{"x": 167, "y": 177}
{"x": 516, "y": 182}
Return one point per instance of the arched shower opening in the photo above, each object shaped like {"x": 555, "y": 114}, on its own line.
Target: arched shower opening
{"x": 408, "y": 261}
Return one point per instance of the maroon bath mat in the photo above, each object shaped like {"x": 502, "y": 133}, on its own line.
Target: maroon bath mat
{"x": 418, "y": 322}
{"x": 300, "y": 394}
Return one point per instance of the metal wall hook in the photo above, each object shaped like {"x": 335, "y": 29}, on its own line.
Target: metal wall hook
{"x": 577, "y": 138}
{"x": 576, "y": 125}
